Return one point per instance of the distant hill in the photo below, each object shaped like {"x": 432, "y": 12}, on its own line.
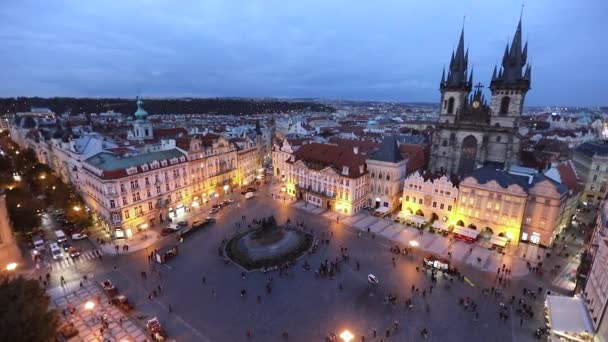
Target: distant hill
{"x": 233, "y": 106}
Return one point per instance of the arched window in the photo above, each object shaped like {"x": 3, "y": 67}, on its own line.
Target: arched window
{"x": 504, "y": 105}
{"x": 497, "y": 125}
{"x": 386, "y": 191}
{"x": 451, "y": 105}
{"x": 444, "y": 143}
{"x": 388, "y": 177}
{"x": 498, "y": 138}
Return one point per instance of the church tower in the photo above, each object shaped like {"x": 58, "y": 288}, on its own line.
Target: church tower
{"x": 455, "y": 88}
{"x": 509, "y": 85}
{"x": 142, "y": 129}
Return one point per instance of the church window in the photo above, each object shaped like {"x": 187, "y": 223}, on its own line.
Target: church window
{"x": 444, "y": 143}
{"x": 498, "y": 138}
{"x": 497, "y": 125}
{"x": 451, "y": 105}
{"x": 444, "y": 153}
{"x": 504, "y": 105}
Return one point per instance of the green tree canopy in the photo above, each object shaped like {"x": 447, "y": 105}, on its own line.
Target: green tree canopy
{"x": 24, "y": 311}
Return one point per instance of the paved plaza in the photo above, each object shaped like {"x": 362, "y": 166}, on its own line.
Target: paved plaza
{"x": 197, "y": 294}
{"x": 71, "y": 306}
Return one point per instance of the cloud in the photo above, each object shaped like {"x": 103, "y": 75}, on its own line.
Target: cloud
{"x": 393, "y": 50}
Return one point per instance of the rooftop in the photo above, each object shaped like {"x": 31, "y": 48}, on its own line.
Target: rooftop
{"x": 593, "y": 148}
{"x": 388, "y": 151}
{"x": 115, "y": 165}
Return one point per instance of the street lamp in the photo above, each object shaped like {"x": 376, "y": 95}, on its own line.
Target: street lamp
{"x": 346, "y": 336}
{"x": 11, "y": 267}
{"x": 76, "y": 208}
{"x": 89, "y": 305}
{"x": 414, "y": 243}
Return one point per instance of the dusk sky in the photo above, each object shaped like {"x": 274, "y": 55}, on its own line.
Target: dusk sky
{"x": 360, "y": 50}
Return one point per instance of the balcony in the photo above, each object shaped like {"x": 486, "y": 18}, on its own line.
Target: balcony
{"x": 112, "y": 194}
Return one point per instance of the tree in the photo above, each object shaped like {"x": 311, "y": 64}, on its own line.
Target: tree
{"x": 22, "y": 209}
{"x": 24, "y": 311}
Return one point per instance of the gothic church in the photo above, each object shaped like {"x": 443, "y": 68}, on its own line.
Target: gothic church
{"x": 470, "y": 132}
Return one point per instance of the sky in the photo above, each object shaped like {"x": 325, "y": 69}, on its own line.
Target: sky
{"x": 332, "y": 49}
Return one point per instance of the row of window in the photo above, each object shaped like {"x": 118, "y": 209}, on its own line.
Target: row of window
{"x": 434, "y": 204}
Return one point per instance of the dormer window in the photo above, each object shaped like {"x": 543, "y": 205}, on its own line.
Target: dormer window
{"x": 163, "y": 163}
{"x": 345, "y": 170}
{"x": 131, "y": 170}
{"x": 293, "y": 158}
{"x": 361, "y": 169}
{"x": 144, "y": 167}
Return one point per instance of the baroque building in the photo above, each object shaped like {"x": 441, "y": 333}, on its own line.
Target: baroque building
{"x": 470, "y": 132}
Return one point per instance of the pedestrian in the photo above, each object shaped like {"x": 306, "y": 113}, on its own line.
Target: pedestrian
{"x": 159, "y": 289}
{"x": 170, "y": 308}
{"x": 521, "y": 321}
{"x": 81, "y": 285}
{"x": 388, "y": 332}
{"x": 204, "y": 280}
{"x": 374, "y": 332}
{"x": 213, "y": 293}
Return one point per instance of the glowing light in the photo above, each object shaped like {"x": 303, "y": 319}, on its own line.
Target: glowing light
{"x": 347, "y": 336}
{"x": 11, "y": 267}
{"x": 43, "y": 176}
{"x": 414, "y": 243}
{"x": 53, "y": 187}
{"x": 76, "y": 208}
{"x": 225, "y": 187}
{"x": 89, "y": 305}
{"x": 18, "y": 205}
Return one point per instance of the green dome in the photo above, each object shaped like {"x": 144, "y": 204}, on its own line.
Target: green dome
{"x": 141, "y": 112}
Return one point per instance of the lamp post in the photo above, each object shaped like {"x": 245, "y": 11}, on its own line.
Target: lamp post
{"x": 347, "y": 336}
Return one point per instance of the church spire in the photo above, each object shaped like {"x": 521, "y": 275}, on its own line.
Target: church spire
{"x": 513, "y": 61}
{"x": 443, "y": 76}
{"x": 457, "y": 72}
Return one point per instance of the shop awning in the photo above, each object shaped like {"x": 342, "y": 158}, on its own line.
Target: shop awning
{"x": 498, "y": 240}
{"x": 382, "y": 210}
{"x": 468, "y": 232}
{"x": 438, "y": 224}
{"x": 416, "y": 219}
{"x": 568, "y": 315}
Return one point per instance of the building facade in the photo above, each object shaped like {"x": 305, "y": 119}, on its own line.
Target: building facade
{"x": 429, "y": 197}
{"x": 470, "y": 133}
{"x": 595, "y": 292}
{"x": 591, "y": 162}
{"x": 329, "y": 177}
{"x": 134, "y": 191}
{"x": 387, "y": 169}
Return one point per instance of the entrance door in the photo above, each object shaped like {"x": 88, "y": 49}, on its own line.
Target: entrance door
{"x": 535, "y": 238}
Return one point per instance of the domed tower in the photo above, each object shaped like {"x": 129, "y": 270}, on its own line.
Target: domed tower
{"x": 142, "y": 129}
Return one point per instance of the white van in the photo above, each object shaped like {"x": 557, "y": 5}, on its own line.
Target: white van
{"x": 38, "y": 242}
{"x": 249, "y": 195}
{"x": 55, "y": 251}
{"x": 60, "y": 235}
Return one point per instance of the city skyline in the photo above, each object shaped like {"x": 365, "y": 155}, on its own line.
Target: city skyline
{"x": 269, "y": 49}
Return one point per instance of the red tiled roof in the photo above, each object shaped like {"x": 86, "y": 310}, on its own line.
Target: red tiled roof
{"x": 365, "y": 146}
{"x": 170, "y": 132}
{"x": 320, "y": 156}
{"x": 568, "y": 176}
{"x": 416, "y": 156}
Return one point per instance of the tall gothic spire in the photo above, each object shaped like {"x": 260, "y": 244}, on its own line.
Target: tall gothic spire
{"x": 457, "y": 72}
{"x": 513, "y": 61}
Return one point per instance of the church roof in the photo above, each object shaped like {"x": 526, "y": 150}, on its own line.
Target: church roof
{"x": 388, "y": 151}
{"x": 141, "y": 112}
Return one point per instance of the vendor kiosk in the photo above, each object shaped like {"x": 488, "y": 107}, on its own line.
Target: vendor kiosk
{"x": 162, "y": 255}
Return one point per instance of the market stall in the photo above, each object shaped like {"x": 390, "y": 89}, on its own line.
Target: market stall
{"x": 568, "y": 318}
{"x": 466, "y": 234}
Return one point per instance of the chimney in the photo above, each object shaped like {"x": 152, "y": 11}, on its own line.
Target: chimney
{"x": 356, "y": 149}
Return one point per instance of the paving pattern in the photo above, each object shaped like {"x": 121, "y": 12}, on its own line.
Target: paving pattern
{"x": 88, "y": 322}
{"x": 477, "y": 255}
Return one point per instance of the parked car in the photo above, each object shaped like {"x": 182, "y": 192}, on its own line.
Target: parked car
{"x": 122, "y": 303}
{"x": 56, "y": 251}
{"x": 249, "y": 195}
{"x": 66, "y": 245}
{"x": 182, "y": 223}
{"x": 74, "y": 252}
{"x": 156, "y": 329}
{"x": 109, "y": 287}
{"x": 214, "y": 211}
{"x": 166, "y": 231}
{"x": 79, "y": 236}
{"x": 209, "y": 220}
